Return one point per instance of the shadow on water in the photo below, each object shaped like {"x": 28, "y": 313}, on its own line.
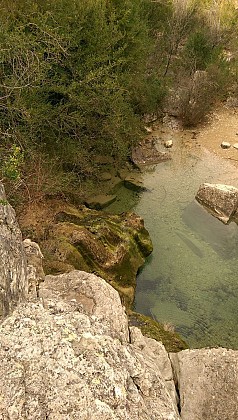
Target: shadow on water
{"x": 222, "y": 238}
{"x": 126, "y": 200}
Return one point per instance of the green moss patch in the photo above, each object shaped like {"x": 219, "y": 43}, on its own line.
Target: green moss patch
{"x": 153, "y": 329}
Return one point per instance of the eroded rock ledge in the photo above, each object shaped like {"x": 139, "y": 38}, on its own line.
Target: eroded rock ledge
{"x": 111, "y": 246}
{"x": 67, "y": 352}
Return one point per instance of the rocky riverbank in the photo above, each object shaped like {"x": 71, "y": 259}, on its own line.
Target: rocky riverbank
{"x": 111, "y": 246}
{"x": 67, "y": 350}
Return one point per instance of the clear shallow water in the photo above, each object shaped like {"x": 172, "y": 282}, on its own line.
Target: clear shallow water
{"x": 191, "y": 279}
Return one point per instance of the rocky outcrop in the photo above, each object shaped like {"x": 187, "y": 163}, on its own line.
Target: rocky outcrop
{"x": 70, "y": 357}
{"x": 146, "y": 153}
{"x": 207, "y": 380}
{"x": 111, "y": 246}
{"x": 221, "y": 200}
{"x": 67, "y": 351}
{"x": 13, "y": 280}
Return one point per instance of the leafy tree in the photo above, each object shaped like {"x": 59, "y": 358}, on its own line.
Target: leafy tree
{"x": 70, "y": 71}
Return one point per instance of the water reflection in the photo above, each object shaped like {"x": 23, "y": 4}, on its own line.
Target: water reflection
{"x": 191, "y": 278}
{"x": 222, "y": 238}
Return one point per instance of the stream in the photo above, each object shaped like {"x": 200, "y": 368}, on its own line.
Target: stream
{"x": 190, "y": 282}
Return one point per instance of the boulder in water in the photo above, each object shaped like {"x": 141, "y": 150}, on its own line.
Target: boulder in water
{"x": 100, "y": 201}
{"x": 146, "y": 153}
{"x": 221, "y": 200}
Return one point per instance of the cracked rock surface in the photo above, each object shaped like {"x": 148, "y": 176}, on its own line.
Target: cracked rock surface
{"x": 13, "y": 280}
{"x": 207, "y": 380}
{"x": 70, "y": 357}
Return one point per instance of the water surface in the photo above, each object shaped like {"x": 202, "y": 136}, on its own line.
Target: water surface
{"x": 191, "y": 279}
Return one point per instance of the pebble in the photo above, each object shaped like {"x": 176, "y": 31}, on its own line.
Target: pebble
{"x": 225, "y": 145}
{"x": 148, "y": 129}
{"x": 168, "y": 144}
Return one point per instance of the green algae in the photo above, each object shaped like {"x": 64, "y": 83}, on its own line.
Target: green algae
{"x": 153, "y": 329}
{"x": 113, "y": 247}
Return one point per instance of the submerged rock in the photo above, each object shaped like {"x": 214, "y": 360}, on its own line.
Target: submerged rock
{"x": 134, "y": 183}
{"x": 101, "y": 201}
{"x": 221, "y": 200}
{"x": 13, "y": 280}
{"x": 146, "y": 153}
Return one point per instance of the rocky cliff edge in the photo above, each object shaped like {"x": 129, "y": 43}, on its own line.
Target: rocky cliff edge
{"x": 67, "y": 352}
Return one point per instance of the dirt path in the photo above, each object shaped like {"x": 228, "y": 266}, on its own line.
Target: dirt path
{"x": 222, "y": 126}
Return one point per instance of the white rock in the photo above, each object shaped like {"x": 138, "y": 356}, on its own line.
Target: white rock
{"x": 221, "y": 200}
{"x": 235, "y": 145}
{"x": 71, "y": 358}
{"x": 148, "y": 129}
{"x": 168, "y": 144}
{"x": 156, "y": 351}
{"x": 225, "y": 145}
{"x": 13, "y": 279}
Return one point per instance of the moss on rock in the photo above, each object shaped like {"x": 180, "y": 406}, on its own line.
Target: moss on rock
{"x": 111, "y": 246}
{"x": 153, "y": 329}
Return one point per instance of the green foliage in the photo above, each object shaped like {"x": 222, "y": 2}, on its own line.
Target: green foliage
{"x": 200, "y": 51}
{"x": 76, "y": 76}
{"x": 73, "y": 75}
{"x": 12, "y": 164}
{"x": 3, "y": 202}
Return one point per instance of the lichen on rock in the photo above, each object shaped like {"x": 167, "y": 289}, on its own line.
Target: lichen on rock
{"x": 13, "y": 281}
{"x": 70, "y": 357}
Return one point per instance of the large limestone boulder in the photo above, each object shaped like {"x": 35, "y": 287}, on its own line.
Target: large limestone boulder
{"x": 70, "y": 357}
{"x": 156, "y": 351}
{"x": 207, "y": 380}
{"x": 94, "y": 296}
{"x": 13, "y": 281}
{"x": 221, "y": 200}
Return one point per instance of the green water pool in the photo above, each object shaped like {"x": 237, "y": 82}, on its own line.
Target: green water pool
{"x": 191, "y": 279}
